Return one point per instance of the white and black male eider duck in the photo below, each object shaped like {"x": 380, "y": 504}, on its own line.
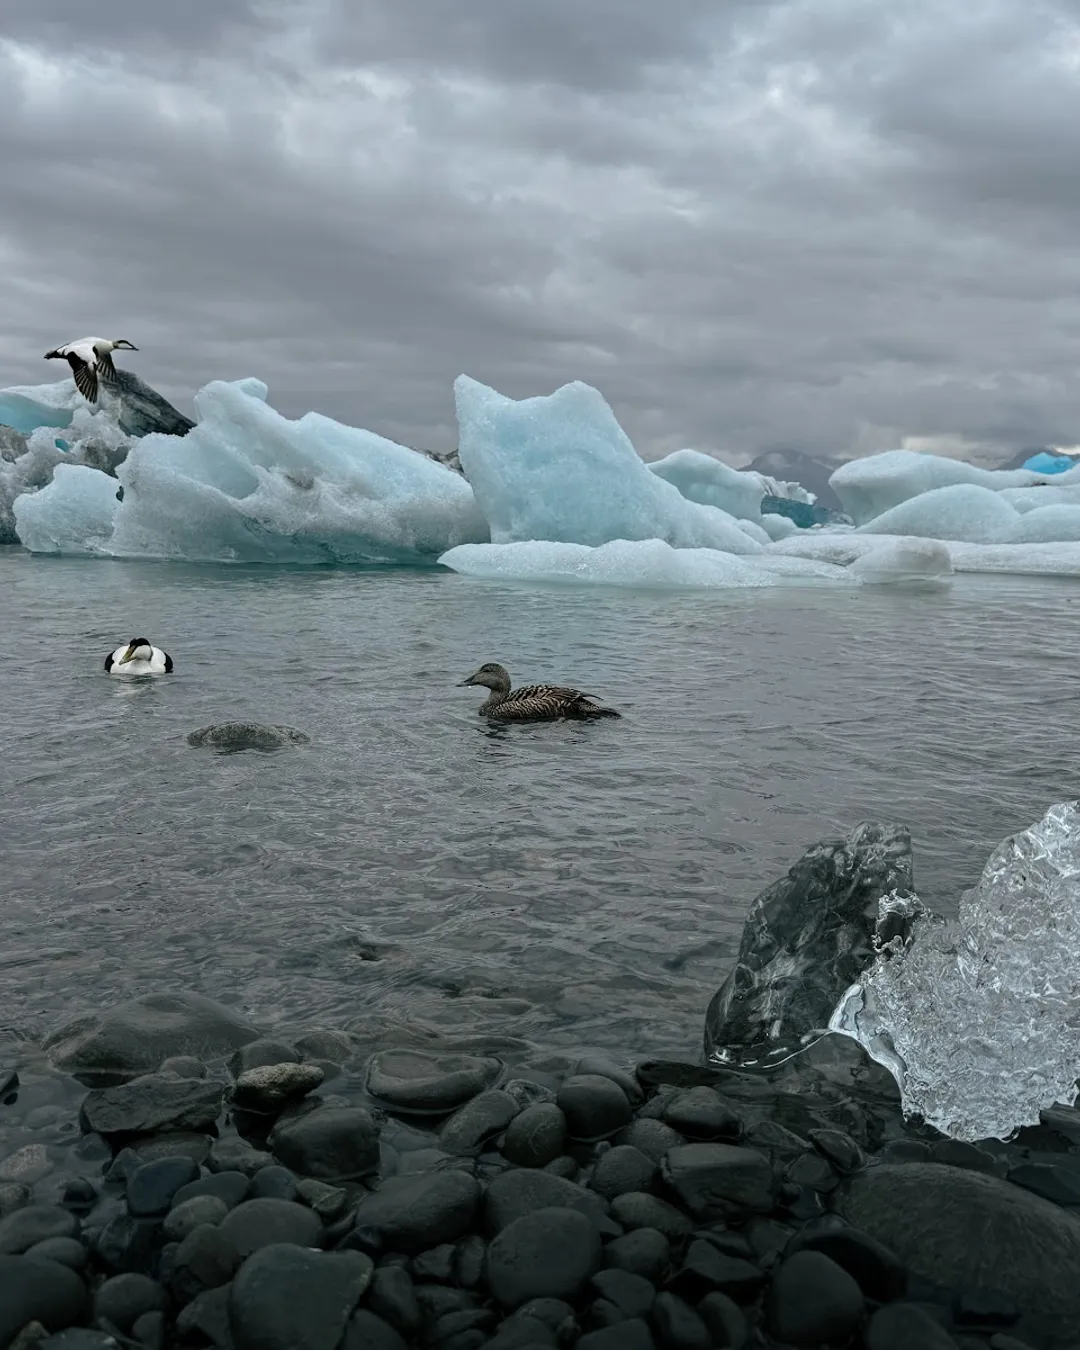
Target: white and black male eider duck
{"x": 138, "y": 657}
{"x": 90, "y": 360}
{"x": 532, "y": 702}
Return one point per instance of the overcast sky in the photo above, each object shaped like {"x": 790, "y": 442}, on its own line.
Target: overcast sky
{"x": 838, "y": 225}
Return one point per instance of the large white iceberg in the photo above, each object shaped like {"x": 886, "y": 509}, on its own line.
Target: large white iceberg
{"x": 979, "y": 1017}
{"x": 739, "y": 492}
{"x": 561, "y": 468}
{"x": 248, "y": 485}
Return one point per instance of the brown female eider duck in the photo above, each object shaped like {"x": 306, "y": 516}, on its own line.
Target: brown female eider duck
{"x": 532, "y": 702}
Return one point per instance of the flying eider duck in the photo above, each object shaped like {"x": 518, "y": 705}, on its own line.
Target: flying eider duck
{"x": 90, "y": 360}
{"x": 532, "y": 702}
{"x": 138, "y": 657}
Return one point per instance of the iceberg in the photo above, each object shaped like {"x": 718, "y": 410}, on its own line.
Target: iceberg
{"x": 248, "y": 485}
{"x": 646, "y": 563}
{"x": 560, "y": 468}
{"x": 711, "y": 482}
{"x": 904, "y": 562}
{"x": 1047, "y": 462}
{"x": 978, "y": 1018}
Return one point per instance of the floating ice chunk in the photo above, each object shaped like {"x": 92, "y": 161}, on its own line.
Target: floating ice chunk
{"x": 1044, "y": 462}
{"x": 982, "y": 1014}
{"x": 1051, "y": 560}
{"x": 1042, "y": 494}
{"x": 73, "y": 515}
{"x": 778, "y": 527}
{"x": 29, "y": 406}
{"x": 1047, "y": 525}
{"x": 905, "y": 562}
{"x": 561, "y": 468}
{"x": 964, "y": 511}
{"x": 701, "y": 478}
{"x": 643, "y": 563}
{"x": 869, "y": 487}
{"x": 247, "y": 484}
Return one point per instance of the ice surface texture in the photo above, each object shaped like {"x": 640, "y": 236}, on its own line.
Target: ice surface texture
{"x": 982, "y": 1013}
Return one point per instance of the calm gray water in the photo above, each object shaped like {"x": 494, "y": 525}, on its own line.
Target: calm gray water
{"x": 574, "y": 886}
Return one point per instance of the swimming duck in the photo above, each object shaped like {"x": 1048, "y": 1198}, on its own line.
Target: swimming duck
{"x": 138, "y": 657}
{"x": 90, "y": 360}
{"x": 532, "y": 702}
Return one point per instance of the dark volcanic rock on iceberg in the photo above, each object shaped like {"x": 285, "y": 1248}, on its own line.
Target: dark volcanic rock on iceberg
{"x": 134, "y": 1037}
{"x": 142, "y": 410}
{"x": 807, "y": 938}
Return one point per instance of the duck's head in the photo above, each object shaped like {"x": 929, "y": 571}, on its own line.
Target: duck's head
{"x": 123, "y": 345}
{"x": 491, "y": 676}
{"x": 138, "y": 649}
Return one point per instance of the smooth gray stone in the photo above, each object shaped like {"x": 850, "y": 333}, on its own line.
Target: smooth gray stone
{"x": 637, "y": 1209}
{"x": 366, "y": 1331}
{"x": 622, "y": 1169}
{"x": 126, "y": 1297}
{"x": 186, "y": 1066}
{"x": 26, "y": 1227}
{"x": 133, "y": 1038}
{"x": 806, "y": 939}
{"x": 259, "y": 1053}
{"x": 393, "y": 1296}
{"x": 633, "y": 1334}
{"x": 600, "y": 1065}
{"x": 678, "y": 1326}
{"x": 1028, "y": 1247}
{"x": 151, "y": 1187}
{"x": 415, "y": 1081}
{"x": 643, "y": 1251}
{"x": 32, "y": 1290}
{"x": 595, "y": 1107}
{"x": 204, "y": 1260}
{"x": 286, "y": 1298}
{"x": 190, "y": 1214}
{"x": 418, "y": 1212}
{"x": 255, "y": 1224}
{"x": 68, "y": 1251}
{"x": 535, "y": 1137}
{"x": 903, "y": 1326}
{"x": 651, "y": 1137}
{"x": 550, "y": 1253}
{"x": 812, "y": 1301}
{"x": 331, "y": 1143}
{"x": 478, "y": 1121}
{"x": 152, "y": 1103}
{"x": 521, "y": 1191}
{"x": 237, "y": 1155}
{"x": 717, "y": 1181}
{"x": 229, "y": 1187}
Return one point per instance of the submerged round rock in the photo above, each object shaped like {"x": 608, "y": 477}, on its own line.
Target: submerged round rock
{"x": 414, "y": 1082}
{"x": 233, "y": 736}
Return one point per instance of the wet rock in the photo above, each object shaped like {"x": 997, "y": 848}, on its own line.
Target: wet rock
{"x": 229, "y": 1187}
{"x": 429, "y": 1084}
{"x": 639, "y": 1210}
{"x": 631, "y": 1294}
{"x": 285, "y": 1298}
{"x": 184, "y": 1066}
{"x": 126, "y": 1297}
{"x": 522, "y": 1333}
{"x": 523, "y": 1191}
{"x": 79, "y": 1196}
{"x": 33, "y": 1224}
{"x": 473, "y": 1124}
{"x": 14, "y": 1195}
{"x": 32, "y": 1290}
{"x": 264, "y": 1052}
{"x": 701, "y": 1113}
{"x": 414, "y": 1213}
{"x": 1028, "y": 1248}
{"x": 327, "y": 1047}
{"x": 255, "y": 1224}
{"x": 67, "y": 1251}
{"x": 184, "y": 1218}
{"x": 904, "y": 1326}
{"x": 878, "y": 1272}
{"x": 204, "y": 1260}
{"x": 678, "y": 1326}
{"x": 725, "y": 1321}
{"x": 269, "y": 1088}
{"x": 393, "y": 1297}
{"x": 550, "y": 1253}
{"x": 435, "y": 1264}
{"x": 645, "y": 1252}
{"x": 125, "y": 1243}
{"x": 595, "y": 1107}
{"x": 174, "y": 1144}
{"x": 273, "y": 1183}
{"x": 152, "y": 1186}
{"x": 814, "y": 1171}
{"x": 134, "y": 1037}
{"x": 469, "y": 1257}
{"x": 958, "y": 1153}
{"x": 811, "y": 1301}
{"x": 206, "y": 1317}
{"x": 806, "y": 939}
{"x": 366, "y": 1331}
{"x": 237, "y": 1155}
{"x": 233, "y": 737}
{"x": 706, "y": 1270}
{"x": 152, "y": 1103}
{"x": 602, "y": 1067}
{"x": 328, "y": 1202}
{"x": 564, "y": 1167}
{"x": 1050, "y": 1179}
{"x": 716, "y": 1181}
{"x": 651, "y": 1137}
{"x": 622, "y": 1169}
{"x": 331, "y": 1143}
{"x": 633, "y": 1334}
{"x": 780, "y": 1143}
{"x": 526, "y": 1092}
{"x": 536, "y": 1136}
{"x": 840, "y": 1149}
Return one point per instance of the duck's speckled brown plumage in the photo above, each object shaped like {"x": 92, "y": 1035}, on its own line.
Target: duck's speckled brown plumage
{"x": 533, "y": 702}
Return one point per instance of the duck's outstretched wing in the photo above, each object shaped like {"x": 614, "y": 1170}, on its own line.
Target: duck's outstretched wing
{"x": 85, "y": 377}
{"x": 106, "y": 371}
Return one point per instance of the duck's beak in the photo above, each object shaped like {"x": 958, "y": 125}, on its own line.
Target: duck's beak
{"x": 127, "y": 656}
{"x": 462, "y": 683}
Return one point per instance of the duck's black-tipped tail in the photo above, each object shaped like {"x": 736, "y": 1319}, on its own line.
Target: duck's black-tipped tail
{"x": 594, "y": 711}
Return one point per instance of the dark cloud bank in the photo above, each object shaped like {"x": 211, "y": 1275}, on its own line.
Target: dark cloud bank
{"x": 751, "y": 225}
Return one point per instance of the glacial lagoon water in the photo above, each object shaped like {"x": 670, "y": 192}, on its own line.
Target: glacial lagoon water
{"x": 568, "y": 885}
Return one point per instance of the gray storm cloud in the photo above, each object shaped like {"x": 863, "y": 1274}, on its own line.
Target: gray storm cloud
{"x": 833, "y": 227}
